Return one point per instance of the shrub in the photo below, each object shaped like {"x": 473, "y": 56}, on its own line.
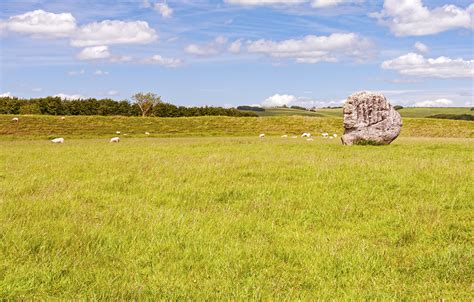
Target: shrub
{"x": 250, "y": 108}
{"x": 397, "y": 107}
{"x": 464, "y": 117}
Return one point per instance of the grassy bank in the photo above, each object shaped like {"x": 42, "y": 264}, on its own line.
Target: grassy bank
{"x": 236, "y": 219}
{"x": 44, "y": 127}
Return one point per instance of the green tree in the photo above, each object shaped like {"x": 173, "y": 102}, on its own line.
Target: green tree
{"x": 146, "y": 102}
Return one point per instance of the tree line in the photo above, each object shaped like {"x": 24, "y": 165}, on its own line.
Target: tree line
{"x": 143, "y": 105}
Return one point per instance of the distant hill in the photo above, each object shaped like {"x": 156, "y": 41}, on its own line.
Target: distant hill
{"x": 417, "y": 112}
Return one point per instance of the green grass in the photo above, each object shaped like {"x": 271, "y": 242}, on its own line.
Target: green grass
{"x": 413, "y": 112}
{"x": 236, "y": 219}
{"x": 287, "y": 112}
{"x": 46, "y": 127}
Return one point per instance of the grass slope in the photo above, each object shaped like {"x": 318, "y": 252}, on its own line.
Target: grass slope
{"x": 44, "y": 127}
{"x": 337, "y": 112}
{"x": 236, "y": 219}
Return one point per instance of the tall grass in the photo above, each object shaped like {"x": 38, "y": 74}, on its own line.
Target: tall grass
{"x": 236, "y": 219}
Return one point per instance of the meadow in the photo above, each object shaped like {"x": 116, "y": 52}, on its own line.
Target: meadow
{"x": 215, "y": 214}
{"x": 46, "y": 127}
{"x": 410, "y": 112}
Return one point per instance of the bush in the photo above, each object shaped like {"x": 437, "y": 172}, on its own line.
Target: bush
{"x": 298, "y": 108}
{"x": 250, "y": 108}
{"x": 57, "y": 106}
{"x": 30, "y": 108}
{"x": 397, "y": 107}
{"x": 464, "y": 117}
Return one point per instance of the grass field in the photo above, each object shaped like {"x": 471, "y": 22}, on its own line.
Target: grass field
{"x": 46, "y": 127}
{"x": 413, "y": 112}
{"x": 236, "y": 218}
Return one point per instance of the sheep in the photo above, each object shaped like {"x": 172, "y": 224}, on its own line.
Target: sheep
{"x": 15, "y": 119}
{"x": 115, "y": 139}
{"x": 325, "y": 135}
{"x": 147, "y": 133}
{"x": 262, "y": 135}
{"x": 294, "y": 136}
{"x": 331, "y": 137}
{"x": 63, "y": 118}
{"x": 335, "y": 135}
{"x": 117, "y": 132}
{"x": 306, "y": 135}
{"x": 310, "y": 139}
{"x": 284, "y": 136}
{"x": 58, "y": 140}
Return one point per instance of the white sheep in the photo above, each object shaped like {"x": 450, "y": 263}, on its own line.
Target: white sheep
{"x": 58, "y": 140}
{"x": 115, "y": 139}
{"x": 294, "y": 136}
{"x": 284, "y": 136}
{"x": 117, "y": 132}
{"x": 325, "y": 135}
{"x": 335, "y": 135}
{"x": 262, "y": 135}
{"x": 331, "y": 137}
{"x": 63, "y": 118}
{"x": 147, "y": 133}
{"x": 306, "y": 135}
{"x": 15, "y": 119}
{"x": 310, "y": 139}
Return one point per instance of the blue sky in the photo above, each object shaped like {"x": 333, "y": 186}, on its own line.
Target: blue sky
{"x": 236, "y": 52}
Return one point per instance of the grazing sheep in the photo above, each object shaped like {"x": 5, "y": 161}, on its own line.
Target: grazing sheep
{"x": 331, "y": 137}
{"x": 325, "y": 135}
{"x": 262, "y": 135}
{"x": 306, "y": 135}
{"x": 294, "y": 136}
{"x": 117, "y": 132}
{"x": 284, "y": 136}
{"x": 15, "y": 119}
{"x": 63, "y": 118}
{"x": 147, "y": 133}
{"x": 335, "y": 135}
{"x": 115, "y": 139}
{"x": 58, "y": 140}
{"x": 310, "y": 139}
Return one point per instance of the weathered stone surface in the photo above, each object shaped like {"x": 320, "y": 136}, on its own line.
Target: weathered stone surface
{"x": 369, "y": 117}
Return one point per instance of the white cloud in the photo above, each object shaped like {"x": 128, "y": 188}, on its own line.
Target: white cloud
{"x": 314, "y": 3}
{"x": 6, "y": 95}
{"x": 120, "y": 59}
{"x": 70, "y": 96}
{"x": 412, "y": 18}
{"x": 114, "y": 32}
{"x": 330, "y": 3}
{"x": 264, "y": 2}
{"x": 94, "y": 53}
{"x": 208, "y": 49}
{"x": 76, "y": 72}
{"x": 168, "y": 62}
{"x": 421, "y": 47}
{"x": 99, "y": 72}
{"x": 278, "y": 100}
{"x": 112, "y": 92}
{"x": 164, "y": 9}
{"x": 41, "y": 23}
{"x": 314, "y": 49}
{"x": 443, "y": 67}
{"x": 435, "y": 103}
{"x": 235, "y": 46}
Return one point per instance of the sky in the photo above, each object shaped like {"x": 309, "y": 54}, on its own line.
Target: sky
{"x": 311, "y": 53}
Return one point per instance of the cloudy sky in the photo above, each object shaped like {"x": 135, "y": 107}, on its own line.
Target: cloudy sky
{"x": 236, "y": 52}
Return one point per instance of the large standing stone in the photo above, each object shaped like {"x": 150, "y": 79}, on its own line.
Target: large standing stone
{"x": 369, "y": 118}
